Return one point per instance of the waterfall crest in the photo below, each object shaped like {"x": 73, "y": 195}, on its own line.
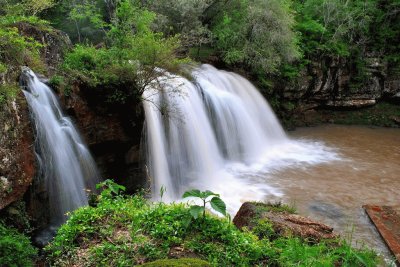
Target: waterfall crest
{"x": 65, "y": 163}
{"x": 214, "y": 133}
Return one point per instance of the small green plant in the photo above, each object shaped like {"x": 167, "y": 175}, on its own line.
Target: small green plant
{"x": 110, "y": 189}
{"x": 207, "y": 197}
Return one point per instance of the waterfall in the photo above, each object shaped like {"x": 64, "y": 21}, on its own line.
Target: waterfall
{"x": 65, "y": 164}
{"x": 217, "y": 132}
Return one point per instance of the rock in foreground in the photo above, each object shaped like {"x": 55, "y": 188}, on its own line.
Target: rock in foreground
{"x": 283, "y": 221}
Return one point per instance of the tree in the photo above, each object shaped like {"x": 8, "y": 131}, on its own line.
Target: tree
{"x": 24, "y": 7}
{"x": 257, "y": 33}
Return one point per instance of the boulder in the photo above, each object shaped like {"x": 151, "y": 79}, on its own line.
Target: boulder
{"x": 284, "y": 223}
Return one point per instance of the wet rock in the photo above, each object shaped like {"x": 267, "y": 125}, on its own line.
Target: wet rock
{"x": 387, "y": 221}
{"x": 17, "y": 160}
{"x": 352, "y": 103}
{"x": 283, "y": 222}
{"x": 113, "y": 133}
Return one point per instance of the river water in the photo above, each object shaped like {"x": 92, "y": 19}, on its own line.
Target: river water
{"x": 368, "y": 172}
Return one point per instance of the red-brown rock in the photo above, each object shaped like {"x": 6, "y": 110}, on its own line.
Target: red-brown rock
{"x": 283, "y": 222}
{"x": 387, "y": 221}
{"x": 17, "y": 160}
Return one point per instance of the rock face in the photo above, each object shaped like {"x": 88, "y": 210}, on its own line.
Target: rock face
{"x": 283, "y": 222}
{"x": 335, "y": 83}
{"x": 55, "y": 43}
{"x": 17, "y": 160}
{"x": 113, "y": 133}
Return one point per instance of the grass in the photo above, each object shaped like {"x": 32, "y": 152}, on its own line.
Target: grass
{"x": 127, "y": 231}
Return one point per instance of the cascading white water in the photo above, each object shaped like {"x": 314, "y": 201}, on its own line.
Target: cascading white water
{"x": 65, "y": 164}
{"x": 217, "y": 133}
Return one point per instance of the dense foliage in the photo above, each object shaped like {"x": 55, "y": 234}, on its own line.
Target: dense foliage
{"x": 123, "y": 231}
{"x": 120, "y": 43}
{"x": 15, "y": 248}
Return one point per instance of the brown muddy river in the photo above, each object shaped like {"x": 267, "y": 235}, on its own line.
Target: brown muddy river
{"x": 368, "y": 172}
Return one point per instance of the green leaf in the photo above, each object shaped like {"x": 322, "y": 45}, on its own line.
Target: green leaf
{"x": 208, "y": 193}
{"x": 192, "y": 193}
{"x": 196, "y": 210}
{"x": 218, "y": 205}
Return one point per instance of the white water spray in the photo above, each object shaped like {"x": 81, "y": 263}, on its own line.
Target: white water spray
{"x": 220, "y": 134}
{"x": 65, "y": 164}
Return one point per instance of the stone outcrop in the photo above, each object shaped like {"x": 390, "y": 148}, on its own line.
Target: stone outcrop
{"x": 283, "y": 222}
{"x": 55, "y": 43}
{"x": 17, "y": 160}
{"x": 332, "y": 83}
{"x": 113, "y": 133}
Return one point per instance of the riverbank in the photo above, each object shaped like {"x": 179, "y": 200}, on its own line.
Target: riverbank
{"x": 382, "y": 114}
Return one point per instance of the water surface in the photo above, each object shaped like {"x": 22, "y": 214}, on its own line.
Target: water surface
{"x": 368, "y": 172}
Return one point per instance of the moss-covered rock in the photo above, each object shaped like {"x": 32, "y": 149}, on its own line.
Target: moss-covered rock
{"x": 277, "y": 220}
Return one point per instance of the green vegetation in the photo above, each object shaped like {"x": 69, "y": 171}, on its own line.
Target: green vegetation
{"x": 185, "y": 262}
{"x": 15, "y": 248}
{"x": 257, "y": 34}
{"x": 122, "y": 46}
{"x": 8, "y": 92}
{"x": 17, "y": 50}
{"x": 130, "y": 59}
{"x": 216, "y": 203}
{"x": 129, "y": 230}
{"x": 382, "y": 114}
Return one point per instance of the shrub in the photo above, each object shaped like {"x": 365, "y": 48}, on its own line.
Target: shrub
{"x": 15, "y": 248}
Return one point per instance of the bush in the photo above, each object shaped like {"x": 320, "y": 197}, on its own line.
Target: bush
{"x": 15, "y": 248}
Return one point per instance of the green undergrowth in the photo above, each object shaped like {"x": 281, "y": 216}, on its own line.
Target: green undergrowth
{"x": 382, "y": 114}
{"x": 8, "y": 92}
{"x": 127, "y": 231}
{"x": 15, "y": 248}
{"x": 184, "y": 262}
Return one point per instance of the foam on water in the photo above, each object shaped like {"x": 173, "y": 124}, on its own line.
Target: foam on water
{"x": 218, "y": 133}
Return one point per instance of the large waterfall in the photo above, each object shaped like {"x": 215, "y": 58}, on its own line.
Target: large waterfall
{"x": 218, "y": 133}
{"x": 65, "y": 164}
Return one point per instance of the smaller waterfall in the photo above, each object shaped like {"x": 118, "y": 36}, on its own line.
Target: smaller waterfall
{"x": 65, "y": 163}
